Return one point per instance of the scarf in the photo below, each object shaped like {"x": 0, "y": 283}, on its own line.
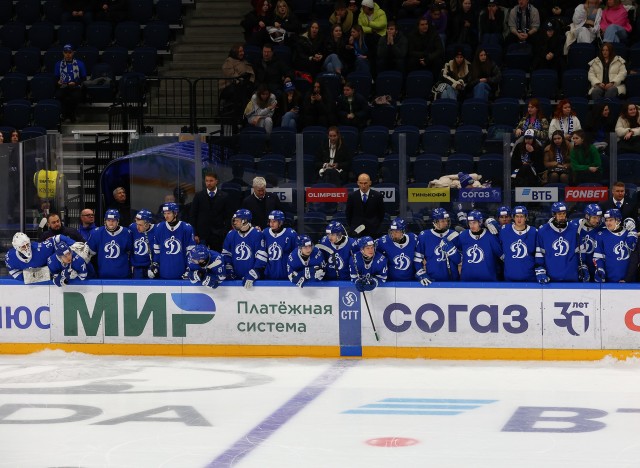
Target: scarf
{"x": 523, "y": 24}
{"x": 75, "y": 71}
{"x": 569, "y": 129}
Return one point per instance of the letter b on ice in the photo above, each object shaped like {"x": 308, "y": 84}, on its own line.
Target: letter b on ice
{"x": 555, "y": 419}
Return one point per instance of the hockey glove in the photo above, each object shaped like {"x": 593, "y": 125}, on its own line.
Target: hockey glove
{"x": 583, "y": 273}
{"x": 629, "y": 224}
{"x": 195, "y": 277}
{"x": 60, "y": 280}
{"x": 599, "y": 275}
{"x": 210, "y": 280}
{"x": 319, "y": 274}
{"x": 632, "y": 240}
{"x": 249, "y": 278}
{"x": 448, "y": 247}
{"x": 492, "y": 226}
{"x": 361, "y": 284}
{"x": 300, "y": 282}
{"x": 153, "y": 271}
{"x": 425, "y": 281}
{"x": 370, "y": 284}
{"x": 229, "y": 271}
{"x": 462, "y": 217}
{"x": 541, "y": 276}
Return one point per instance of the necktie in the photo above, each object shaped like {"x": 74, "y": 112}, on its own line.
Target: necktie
{"x": 212, "y": 194}
{"x": 618, "y": 204}
{"x": 364, "y": 198}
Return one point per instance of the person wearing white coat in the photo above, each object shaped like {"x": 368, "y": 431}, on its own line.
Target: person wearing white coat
{"x": 607, "y": 73}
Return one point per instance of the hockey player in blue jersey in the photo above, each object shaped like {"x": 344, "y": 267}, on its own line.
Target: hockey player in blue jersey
{"x": 503, "y": 218}
{"x": 613, "y": 249}
{"x": 337, "y": 248}
{"x": 142, "y": 233}
{"x": 399, "y": 246}
{"x": 305, "y": 264}
{"x": 67, "y": 267}
{"x": 438, "y": 251}
{"x": 112, "y": 244}
{"x": 557, "y": 250}
{"x": 243, "y": 250}
{"x": 206, "y": 266}
{"x": 518, "y": 242}
{"x": 26, "y": 260}
{"x": 172, "y": 241}
{"x": 588, "y": 229}
{"x": 367, "y": 267}
{"x": 279, "y": 241}
{"x": 481, "y": 251}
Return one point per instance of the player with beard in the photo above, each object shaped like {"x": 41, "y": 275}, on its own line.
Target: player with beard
{"x": 438, "y": 251}
{"x": 112, "y": 244}
{"x": 279, "y": 243}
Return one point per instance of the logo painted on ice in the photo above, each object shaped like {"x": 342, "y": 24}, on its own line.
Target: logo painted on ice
{"x": 402, "y": 262}
{"x": 621, "y": 250}
{"x": 560, "y": 247}
{"x": 519, "y": 249}
{"x": 275, "y": 251}
{"x": 112, "y": 249}
{"x": 173, "y": 246}
{"x": 475, "y": 254}
{"x": 420, "y": 406}
{"x": 567, "y": 320}
{"x": 141, "y": 247}
{"x": 243, "y": 251}
{"x": 349, "y": 299}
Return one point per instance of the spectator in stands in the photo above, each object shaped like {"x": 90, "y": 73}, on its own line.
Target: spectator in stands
{"x": 272, "y": 71}
{"x": 310, "y": 54}
{"x": 337, "y": 56}
{"x": 87, "y": 223}
{"x": 121, "y": 203}
{"x": 527, "y": 161}
{"x": 628, "y": 129}
{"x": 77, "y": 10}
{"x": 523, "y": 23}
{"x": 15, "y": 136}
{"x": 534, "y": 120}
{"x": 463, "y": 26}
{"x": 260, "y": 203}
{"x": 627, "y": 205}
{"x": 491, "y": 24}
{"x": 412, "y": 9}
{"x": 614, "y": 25}
{"x": 318, "y": 106}
{"x": 352, "y": 107}
{"x": 342, "y": 17}
{"x": 607, "y": 73}
{"x": 556, "y": 159}
{"x": 353, "y": 8}
{"x": 211, "y": 213}
{"x": 586, "y": 164}
{"x": 437, "y": 17}
{"x": 565, "y": 120}
{"x": 333, "y": 159}
{"x": 70, "y": 73}
{"x": 365, "y": 207}
{"x": 392, "y": 50}
{"x": 236, "y": 67}
{"x": 455, "y": 75}
{"x": 255, "y": 23}
{"x": 358, "y": 46}
{"x": 373, "y": 20}
{"x": 484, "y": 75}
{"x": 260, "y": 109}
{"x": 585, "y": 25}
{"x": 291, "y": 103}
{"x": 56, "y": 227}
{"x": 425, "y": 51}
{"x": 286, "y": 19}
{"x": 600, "y": 124}
{"x": 113, "y": 11}
{"x": 548, "y": 53}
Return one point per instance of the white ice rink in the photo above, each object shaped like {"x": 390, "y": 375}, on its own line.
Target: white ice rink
{"x": 74, "y": 410}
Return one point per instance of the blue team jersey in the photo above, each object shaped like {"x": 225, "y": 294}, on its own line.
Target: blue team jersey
{"x": 244, "y": 252}
{"x": 588, "y": 236}
{"x": 519, "y": 249}
{"x": 480, "y": 256}
{"x": 338, "y": 262}
{"x": 374, "y": 268}
{"x": 214, "y": 269}
{"x": 142, "y": 246}
{"x": 278, "y": 246}
{"x": 298, "y": 267}
{"x": 557, "y": 251}
{"x": 112, "y": 250}
{"x": 40, "y": 253}
{"x": 612, "y": 253}
{"x": 430, "y": 261}
{"x": 399, "y": 256}
{"x": 76, "y": 271}
{"x": 171, "y": 246}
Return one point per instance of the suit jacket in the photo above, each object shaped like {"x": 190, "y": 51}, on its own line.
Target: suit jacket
{"x": 371, "y": 213}
{"x": 260, "y": 208}
{"x": 211, "y": 218}
{"x": 342, "y": 158}
{"x": 629, "y": 208}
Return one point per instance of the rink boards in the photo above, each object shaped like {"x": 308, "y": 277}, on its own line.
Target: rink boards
{"x": 462, "y": 321}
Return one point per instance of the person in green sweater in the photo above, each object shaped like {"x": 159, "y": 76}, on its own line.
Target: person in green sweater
{"x": 586, "y": 164}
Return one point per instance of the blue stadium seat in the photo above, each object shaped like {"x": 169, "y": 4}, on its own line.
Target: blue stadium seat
{"x": 361, "y": 83}
{"x": 283, "y": 53}
{"x": 495, "y": 53}
{"x": 5, "y": 60}
{"x": 580, "y": 54}
{"x": 418, "y": 84}
{"x": 581, "y": 107}
{"x": 117, "y": 58}
{"x": 17, "y": 113}
{"x": 132, "y": 88}
{"x": 332, "y": 83}
{"x": 544, "y": 83}
{"x": 252, "y": 140}
{"x": 444, "y": 112}
{"x": 513, "y": 84}
{"x": 14, "y": 86}
{"x": 27, "y": 60}
{"x": 140, "y": 10}
{"x": 389, "y": 83}
{"x": 546, "y": 107}
{"x": 390, "y": 169}
{"x": 384, "y": 115}
{"x": 127, "y": 34}
{"x": 505, "y": 111}
{"x": 46, "y": 114}
{"x": 436, "y": 139}
{"x": 632, "y": 82}
{"x": 350, "y": 137}
{"x": 374, "y": 139}
{"x": 169, "y": 11}
{"x": 99, "y": 34}
{"x": 89, "y": 55}
{"x": 459, "y": 162}
{"x": 101, "y": 91}
{"x": 156, "y": 34}
{"x": 518, "y": 57}
{"x": 52, "y": 10}
{"x": 491, "y": 167}
{"x": 32, "y": 132}
{"x": 475, "y": 112}
{"x": 272, "y": 165}
{"x": 242, "y": 161}
{"x": 493, "y": 143}
{"x": 414, "y": 111}
{"x": 629, "y": 167}
{"x": 51, "y": 56}
{"x": 283, "y": 140}
{"x": 365, "y": 164}
{"x": 426, "y": 167}
{"x": 253, "y": 54}
{"x": 575, "y": 83}
{"x": 13, "y": 35}
{"x": 412, "y": 139}
{"x": 308, "y": 169}
{"x": 28, "y": 11}
{"x": 6, "y": 11}
{"x": 634, "y": 57}
{"x": 312, "y": 138}
{"x": 43, "y": 86}
{"x": 145, "y": 60}
{"x": 71, "y": 32}
{"x": 41, "y": 35}
{"x": 468, "y": 139}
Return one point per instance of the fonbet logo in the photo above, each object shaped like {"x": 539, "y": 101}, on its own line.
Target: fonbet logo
{"x": 349, "y": 299}
{"x": 194, "y": 309}
{"x": 575, "y": 321}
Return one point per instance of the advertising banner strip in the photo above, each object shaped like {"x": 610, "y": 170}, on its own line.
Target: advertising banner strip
{"x": 480, "y": 195}
{"x": 326, "y": 195}
{"x": 428, "y": 195}
{"x": 586, "y": 194}
{"x": 350, "y": 322}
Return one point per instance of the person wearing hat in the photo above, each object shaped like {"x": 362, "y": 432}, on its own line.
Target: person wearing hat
{"x": 491, "y": 24}
{"x": 373, "y": 20}
{"x": 455, "y": 76}
{"x": 527, "y": 161}
{"x": 291, "y": 102}
{"x": 70, "y": 73}
{"x": 548, "y": 53}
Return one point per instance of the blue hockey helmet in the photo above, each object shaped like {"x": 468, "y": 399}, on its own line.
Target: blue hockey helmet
{"x": 242, "y": 214}
{"x": 398, "y": 224}
{"x": 613, "y": 213}
{"x": 520, "y": 210}
{"x": 277, "y": 215}
{"x": 304, "y": 241}
{"x": 439, "y": 213}
{"x": 593, "y": 209}
{"x": 366, "y": 241}
{"x": 112, "y": 214}
{"x": 558, "y": 207}
{"x": 504, "y": 211}
{"x": 199, "y": 254}
{"x": 62, "y": 249}
{"x": 336, "y": 227}
{"x": 144, "y": 215}
{"x": 170, "y": 206}
{"x": 475, "y": 215}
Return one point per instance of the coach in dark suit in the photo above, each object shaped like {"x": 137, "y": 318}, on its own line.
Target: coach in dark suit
{"x": 627, "y": 205}
{"x": 210, "y": 214}
{"x": 365, "y": 206}
{"x": 261, "y": 203}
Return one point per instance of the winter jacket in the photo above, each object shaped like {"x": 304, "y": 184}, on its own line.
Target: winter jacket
{"x": 617, "y": 73}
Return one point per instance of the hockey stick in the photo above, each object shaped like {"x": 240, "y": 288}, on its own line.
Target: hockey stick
{"x": 355, "y": 265}
{"x": 333, "y": 254}
{"x": 450, "y": 237}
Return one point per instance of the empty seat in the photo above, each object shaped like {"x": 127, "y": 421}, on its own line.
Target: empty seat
{"x": 127, "y": 34}
{"x": 42, "y": 34}
{"x": 414, "y": 111}
{"x": 374, "y": 140}
{"x": 475, "y": 112}
{"x": 99, "y": 34}
{"x": 444, "y": 112}
{"x": 419, "y": 84}
{"x": 27, "y": 60}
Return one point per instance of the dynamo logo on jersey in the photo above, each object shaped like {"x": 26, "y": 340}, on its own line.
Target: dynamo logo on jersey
{"x": 275, "y": 252}
{"x": 475, "y": 254}
{"x": 172, "y": 246}
{"x": 439, "y": 253}
{"x": 560, "y": 247}
{"x": 401, "y": 262}
{"x": 337, "y": 261}
{"x": 349, "y": 299}
{"x": 519, "y": 249}
{"x": 112, "y": 249}
{"x": 621, "y": 249}
{"x": 141, "y": 247}
{"x": 588, "y": 245}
